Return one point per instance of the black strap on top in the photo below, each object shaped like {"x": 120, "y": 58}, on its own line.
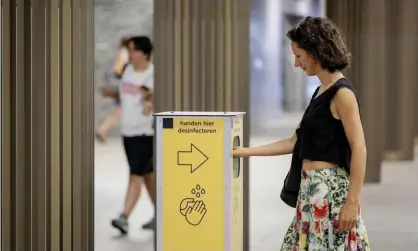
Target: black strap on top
{"x": 330, "y": 93}
{"x": 341, "y": 83}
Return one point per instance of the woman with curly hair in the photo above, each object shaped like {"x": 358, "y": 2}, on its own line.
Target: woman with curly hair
{"x": 330, "y": 143}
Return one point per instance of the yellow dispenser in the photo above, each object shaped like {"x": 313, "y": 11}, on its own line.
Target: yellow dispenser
{"x": 199, "y": 184}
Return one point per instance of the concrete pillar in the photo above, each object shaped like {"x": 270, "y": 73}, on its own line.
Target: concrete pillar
{"x": 202, "y": 61}
{"x": 362, "y": 23}
{"x": 47, "y": 125}
{"x": 401, "y": 80}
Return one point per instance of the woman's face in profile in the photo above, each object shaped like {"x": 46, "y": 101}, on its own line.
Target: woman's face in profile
{"x": 303, "y": 60}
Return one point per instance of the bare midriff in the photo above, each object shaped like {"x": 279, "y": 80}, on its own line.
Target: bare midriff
{"x": 316, "y": 165}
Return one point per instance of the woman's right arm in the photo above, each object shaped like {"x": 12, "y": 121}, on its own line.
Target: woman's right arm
{"x": 280, "y": 147}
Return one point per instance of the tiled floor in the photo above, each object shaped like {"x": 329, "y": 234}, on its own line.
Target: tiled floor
{"x": 389, "y": 209}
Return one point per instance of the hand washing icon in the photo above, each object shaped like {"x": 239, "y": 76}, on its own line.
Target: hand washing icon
{"x": 194, "y": 209}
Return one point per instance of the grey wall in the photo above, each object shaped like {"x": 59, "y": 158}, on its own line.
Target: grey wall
{"x": 112, "y": 20}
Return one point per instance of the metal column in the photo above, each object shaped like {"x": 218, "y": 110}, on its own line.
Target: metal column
{"x": 202, "y": 62}
{"x": 47, "y": 125}
{"x": 362, "y": 23}
{"x": 400, "y": 105}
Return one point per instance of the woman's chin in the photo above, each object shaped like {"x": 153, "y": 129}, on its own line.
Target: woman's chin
{"x": 308, "y": 73}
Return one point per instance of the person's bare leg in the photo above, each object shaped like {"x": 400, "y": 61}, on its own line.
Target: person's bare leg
{"x": 149, "y": 180}
{"x": 132, "y": 196}
{"x": 109, "y": 122}
{"x": 150, "y": 185}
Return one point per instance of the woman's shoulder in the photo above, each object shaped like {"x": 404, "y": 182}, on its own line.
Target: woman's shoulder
{"x": 343, "y": 83}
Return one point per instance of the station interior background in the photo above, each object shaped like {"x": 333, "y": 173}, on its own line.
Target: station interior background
{"x": 277, "y": 87}
{"x": 279, "y": 94}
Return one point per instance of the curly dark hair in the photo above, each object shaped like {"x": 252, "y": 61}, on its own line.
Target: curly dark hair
{"x": 322, "y": 40}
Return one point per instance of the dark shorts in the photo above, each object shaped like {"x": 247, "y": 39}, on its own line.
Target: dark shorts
{"x": 139, "y": 152}
{"x": 117, "y": 101}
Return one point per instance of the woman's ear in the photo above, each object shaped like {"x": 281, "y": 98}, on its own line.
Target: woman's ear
{"x": 314, "y": 65}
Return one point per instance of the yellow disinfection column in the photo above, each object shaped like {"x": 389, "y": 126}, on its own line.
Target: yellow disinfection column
{"x": 199, "y": 184}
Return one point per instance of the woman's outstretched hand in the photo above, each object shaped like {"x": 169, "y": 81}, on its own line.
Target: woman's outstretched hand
{"x": 240, "y": 152}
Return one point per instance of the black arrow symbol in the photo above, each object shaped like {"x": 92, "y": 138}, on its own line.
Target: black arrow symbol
{"x": 194, "y": 158}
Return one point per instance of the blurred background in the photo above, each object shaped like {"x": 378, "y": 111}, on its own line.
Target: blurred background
{"x": 276, "y": 86}
{"x": 61, "y": 187}
{"x": 382, "y": 35}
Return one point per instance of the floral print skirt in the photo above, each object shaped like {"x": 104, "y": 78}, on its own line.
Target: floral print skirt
{"x": 315, "y": 227}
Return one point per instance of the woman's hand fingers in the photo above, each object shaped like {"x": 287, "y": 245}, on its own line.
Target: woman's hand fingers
{"x": 351, "y": 224}
{"x": 346, "y": 223}
{"x": 342, "y": 225}
{"x": 237, "y": 152}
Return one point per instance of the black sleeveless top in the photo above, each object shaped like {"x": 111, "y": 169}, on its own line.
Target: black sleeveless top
{"x": 322, "y": 137}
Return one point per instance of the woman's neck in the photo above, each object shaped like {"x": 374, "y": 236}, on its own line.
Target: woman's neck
{"x": 327, "y": 79}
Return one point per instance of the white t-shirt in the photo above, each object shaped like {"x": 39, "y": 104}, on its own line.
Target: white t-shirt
{"x": 133, "y": 121}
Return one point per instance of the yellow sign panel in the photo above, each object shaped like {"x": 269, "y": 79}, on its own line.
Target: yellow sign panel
{"x": 193, "y": 185}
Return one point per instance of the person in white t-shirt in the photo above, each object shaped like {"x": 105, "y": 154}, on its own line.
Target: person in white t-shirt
{"x": 136, "y": 95}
